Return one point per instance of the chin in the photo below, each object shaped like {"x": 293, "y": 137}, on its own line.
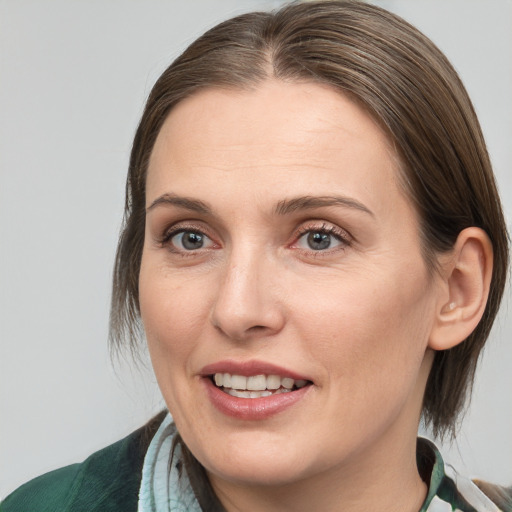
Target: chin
{"x": 259, "y": 472}
{"x": 258, "y": 461}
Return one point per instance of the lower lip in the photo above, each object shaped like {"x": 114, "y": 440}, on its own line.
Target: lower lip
{"x": 252, "y": 409}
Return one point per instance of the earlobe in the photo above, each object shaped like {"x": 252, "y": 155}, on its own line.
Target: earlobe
{"x": 466, "y": 275}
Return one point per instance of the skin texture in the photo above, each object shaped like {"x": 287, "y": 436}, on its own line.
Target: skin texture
{"x": 356, "y": 318}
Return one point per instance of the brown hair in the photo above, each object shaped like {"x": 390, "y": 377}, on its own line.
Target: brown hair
{"x": 406, "y": 84}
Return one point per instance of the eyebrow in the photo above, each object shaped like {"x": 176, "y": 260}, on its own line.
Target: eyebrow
{"x": 284, "y": 207}
{"x": 288, "y": 206}
{"x": 187, "y": 203}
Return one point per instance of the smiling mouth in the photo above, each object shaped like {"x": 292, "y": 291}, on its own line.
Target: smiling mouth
{"x": 256, "y": 386}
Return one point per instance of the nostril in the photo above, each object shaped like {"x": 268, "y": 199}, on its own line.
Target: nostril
{"x": 257, "y": 330}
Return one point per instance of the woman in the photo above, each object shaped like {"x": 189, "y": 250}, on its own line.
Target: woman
{"x": 315, "y": 249}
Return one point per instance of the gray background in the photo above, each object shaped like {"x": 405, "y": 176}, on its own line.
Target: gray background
{"x": 73, "y": 79}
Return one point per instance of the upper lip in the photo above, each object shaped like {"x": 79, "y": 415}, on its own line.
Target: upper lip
{"x": 249, "y": 368}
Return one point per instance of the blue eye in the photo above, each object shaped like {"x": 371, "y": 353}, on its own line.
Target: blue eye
{"x": 190, "y": 240}
{"x": 320, "y": 240}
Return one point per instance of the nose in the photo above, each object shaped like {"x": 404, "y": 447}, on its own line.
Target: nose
{"x": 247, "y": 305}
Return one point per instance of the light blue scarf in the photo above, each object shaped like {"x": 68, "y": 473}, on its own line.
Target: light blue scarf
{"x": 164, "y": 488}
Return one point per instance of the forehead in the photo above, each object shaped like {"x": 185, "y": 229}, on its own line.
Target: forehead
{"x": 272, "y": 140}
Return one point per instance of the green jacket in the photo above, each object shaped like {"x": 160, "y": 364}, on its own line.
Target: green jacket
{"x": 109, "y": 481}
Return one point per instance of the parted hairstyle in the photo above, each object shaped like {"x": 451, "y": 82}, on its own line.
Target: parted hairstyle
{"x": 406, "y": 84}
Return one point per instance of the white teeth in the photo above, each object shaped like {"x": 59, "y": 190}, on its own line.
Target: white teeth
{"x": 254, "y": 394}
{"x": 235, "y": 392}
{"x": 287, "y": 383}
{"x": 273, "y": 382}
{"x": 256, "y": 386}
{"x": 257, "y": 383}
{"x": 238, "y": 382}
{"x": 239, "y": 394}
{"x": 259, "y": 394}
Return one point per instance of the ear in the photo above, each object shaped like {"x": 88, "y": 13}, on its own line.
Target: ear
{"x": 466, "y": 277}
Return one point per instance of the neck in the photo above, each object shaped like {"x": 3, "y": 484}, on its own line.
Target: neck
{"x": 380, "y": 479}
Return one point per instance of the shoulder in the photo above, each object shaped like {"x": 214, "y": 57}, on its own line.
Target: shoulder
{"x": 501, "y": 496}
{"x": 449, "y": 490}
{"x": 106, "y": 481}
{"x": 46, "y": 492}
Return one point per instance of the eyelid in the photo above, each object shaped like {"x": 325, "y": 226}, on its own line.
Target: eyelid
{"x": 342, "y": 235}
{"x": 183, "y": 226}
{"x": 183, "y": 231}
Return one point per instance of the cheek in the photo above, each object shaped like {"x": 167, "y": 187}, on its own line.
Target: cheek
{"x": 171, "y": 313}
{"x": 366, "y": 329}
{"x": 173, "y": 320}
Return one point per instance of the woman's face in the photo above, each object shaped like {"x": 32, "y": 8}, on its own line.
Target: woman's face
{"x": 280, "y": 252}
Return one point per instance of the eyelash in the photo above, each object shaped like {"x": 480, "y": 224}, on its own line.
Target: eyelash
{"x": 169, "y": 234}
{"x": 339, "y": 234}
